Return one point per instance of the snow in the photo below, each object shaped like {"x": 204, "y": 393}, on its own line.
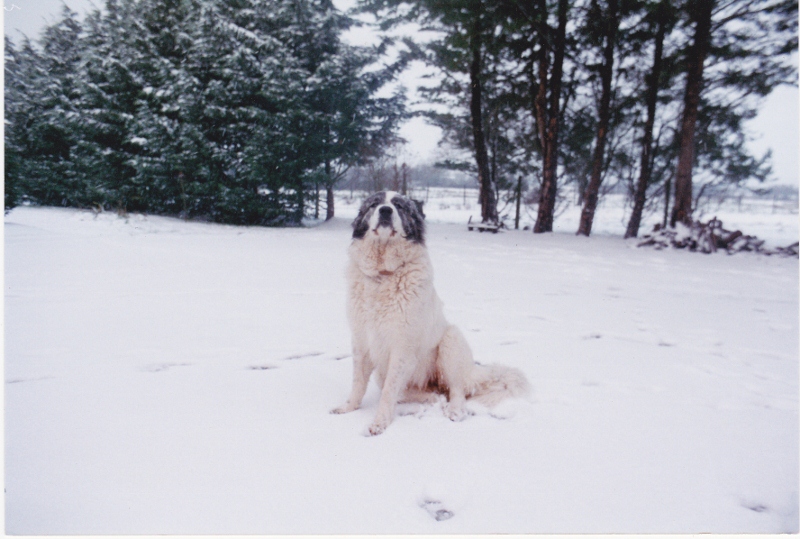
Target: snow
{"x": 168, "y": 377}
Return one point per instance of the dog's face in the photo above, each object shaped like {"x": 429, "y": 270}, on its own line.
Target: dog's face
{"x": 388, "y": 215}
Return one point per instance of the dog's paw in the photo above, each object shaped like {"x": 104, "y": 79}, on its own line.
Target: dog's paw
{"x": 456, "y": 412}
{"x": 343, "y": 409}
{"x": 376, "y": 429}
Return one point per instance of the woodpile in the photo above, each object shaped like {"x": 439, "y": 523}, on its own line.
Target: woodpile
{"x": 710, "y": 237}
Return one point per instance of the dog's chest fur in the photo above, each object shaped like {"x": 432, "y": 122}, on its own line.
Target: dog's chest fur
{"x": 388, "y": 280}
{"x": 392, "y": 299}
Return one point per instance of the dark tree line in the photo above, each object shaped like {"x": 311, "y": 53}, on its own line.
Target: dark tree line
{"x": 238, "y": 111}
{"x": 651, "y": 93}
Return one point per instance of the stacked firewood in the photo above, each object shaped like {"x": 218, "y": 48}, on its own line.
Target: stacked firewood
{"x": 710, "y": 237}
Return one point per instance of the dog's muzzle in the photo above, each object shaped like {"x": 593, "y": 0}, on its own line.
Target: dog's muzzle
{"x": 385, "y": 216}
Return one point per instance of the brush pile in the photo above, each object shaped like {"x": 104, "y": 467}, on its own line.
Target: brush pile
{"x": 710, "y": 237}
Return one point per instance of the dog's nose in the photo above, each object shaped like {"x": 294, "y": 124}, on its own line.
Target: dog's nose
{"x": 385, "y": 211}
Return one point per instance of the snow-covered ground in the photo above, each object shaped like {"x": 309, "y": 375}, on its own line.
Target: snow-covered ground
{"x": 166, "y": 377}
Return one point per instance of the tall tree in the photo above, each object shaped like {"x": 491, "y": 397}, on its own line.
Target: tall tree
{"x": 165, "y": 150}
{"x": 20, "y": 67}
{"x": 487, "y": 189}
{"x": 214, "y": 110}
{"x": 700, "y": 14}
{"x": 739, "y": 52}
{"x": 466, "y": 28}
{"x": 41, "y": 92}
{"x": 352, "y": 125}
{"x": 661, "y": 19}
{"x": 111, "y": 90}
{"x": 550, "y": 80}
{"x": 610, "y": 18}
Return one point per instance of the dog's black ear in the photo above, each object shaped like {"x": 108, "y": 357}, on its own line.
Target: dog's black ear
{"x": 361, "y": 222}
{"x": 412, "y": 217}
{"x": 419, "y": 204}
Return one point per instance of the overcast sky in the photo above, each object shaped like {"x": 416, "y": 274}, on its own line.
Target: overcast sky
{"x": 777, "y": 126}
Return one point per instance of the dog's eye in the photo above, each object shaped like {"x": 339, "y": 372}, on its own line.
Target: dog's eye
{"x": 372, "y": 201}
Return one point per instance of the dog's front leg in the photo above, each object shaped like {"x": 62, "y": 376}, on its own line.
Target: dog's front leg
{"x": 362, "y": 369}
{"x": 401, "y": 367}
{"x": 455, "y": 362}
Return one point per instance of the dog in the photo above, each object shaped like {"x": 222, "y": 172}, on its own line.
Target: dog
{"x": 399, "y": 331}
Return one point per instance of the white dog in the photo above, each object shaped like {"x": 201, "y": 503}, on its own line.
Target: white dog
{"x": 398, "y": 326}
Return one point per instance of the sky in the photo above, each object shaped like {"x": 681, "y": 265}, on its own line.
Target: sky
{"x": 777, "y": 127}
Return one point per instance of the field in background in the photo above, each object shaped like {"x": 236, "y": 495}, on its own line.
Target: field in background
{"x": 767, "y": 218}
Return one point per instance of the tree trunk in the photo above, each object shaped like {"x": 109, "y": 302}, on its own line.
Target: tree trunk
{"x": 329, "y": 202}
{"x": 700, "y": 11}
{"x": 300, "y": 197}
{"x": 329, "y": 209}
{"x": 667, "y": 193}
{"x": 606, "y": 73}
{"x": 547, "y": 193}
{"x": 540, "y": 98}
{"x": 519, "y": 201}
{"x": 487, "y": 199}
{"x": 653, "y": 79}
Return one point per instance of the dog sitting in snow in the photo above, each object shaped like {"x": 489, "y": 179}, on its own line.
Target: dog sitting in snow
{"x": 398, "y": 326}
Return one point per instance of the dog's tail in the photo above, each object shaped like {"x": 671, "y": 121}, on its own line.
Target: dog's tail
{"x": 494, "y": 383}
{"x": 487, "y": 384}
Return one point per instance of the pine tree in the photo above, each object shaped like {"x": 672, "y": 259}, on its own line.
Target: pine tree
{"x": 223, "y": 110}
{"x": 548, "y": 108}
{"x": 41, "y": 90}
{"x": 165, "y": 139}
{"x": 660, "y": 21}
{"x": 700, "y": 12}
{"x": 467, "y": 33}
{"x": 609, "y": 18}
{"x": 347, "y": 123}
{"x": 749, "y": 42}
{"x": 108, "y": 106}
{"x": 242, "y": 110}
{"x": 19, "y": 71}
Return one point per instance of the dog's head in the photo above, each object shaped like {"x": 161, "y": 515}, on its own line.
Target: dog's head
{"x": 389, "y": 215}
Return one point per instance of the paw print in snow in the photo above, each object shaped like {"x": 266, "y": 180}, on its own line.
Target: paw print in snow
{"x": 436, "y": 510}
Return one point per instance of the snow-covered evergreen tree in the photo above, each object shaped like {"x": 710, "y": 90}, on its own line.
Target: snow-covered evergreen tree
{"x": 168, "y": 145}
{"x": 108, "y": 110}
{"x": 351, "y": 124}
{"x": 40, "y": 107}
{"x": 220, "y": 109}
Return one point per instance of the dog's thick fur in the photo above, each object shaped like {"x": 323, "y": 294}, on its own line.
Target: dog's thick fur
{"x": 398, "y": 326}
